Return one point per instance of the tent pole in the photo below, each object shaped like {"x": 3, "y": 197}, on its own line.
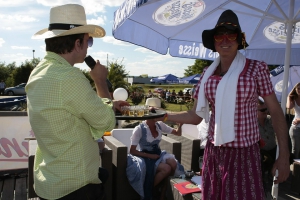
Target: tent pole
{"x": 287, "y": 56}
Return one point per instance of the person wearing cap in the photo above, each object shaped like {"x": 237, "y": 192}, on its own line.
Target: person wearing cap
{"x": 231, "y": 85}
{"x": 66, "y": 115}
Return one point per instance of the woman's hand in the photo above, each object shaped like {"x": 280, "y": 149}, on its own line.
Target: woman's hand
{"x": 296, "y": 121}
{"x": 153, "y": 156}
{"x": 177, "y": 131}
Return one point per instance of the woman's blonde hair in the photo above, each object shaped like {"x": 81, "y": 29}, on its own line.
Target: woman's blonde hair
{"x": 293, "y": 92}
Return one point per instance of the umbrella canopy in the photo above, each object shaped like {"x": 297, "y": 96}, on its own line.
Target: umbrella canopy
{"x": 168, "y": 78}
{"x": 277, "y": 79}
{"x": 175, "y": 26}
{"x": 190, "y": 79}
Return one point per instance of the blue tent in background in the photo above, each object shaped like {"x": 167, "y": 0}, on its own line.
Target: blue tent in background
{"x": 190, "y": 79}
{"x": 165, "y": 79}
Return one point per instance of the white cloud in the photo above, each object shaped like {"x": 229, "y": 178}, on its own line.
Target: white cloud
{"x": 112, "y": 40}
{"x": 112, "y": 2}
{"x": 98, "y": 21}
{"x": 158, "y": 58}
{"x": 102, "y": 56}
{"x": 19, "y": 47}
{"x": 151, "y": 68}
{"x": 24, "y": 18}
{"x": 43, "y": 48}
{"x": 94, "y": 6}
{"x": 7, "y": 3}
{"x": 1, "y": 42}
{"x": 90, "y": 6}
{"x": 173, "y": 62}
{"x": 143, "y": 50}
{"x": 51, "y": 3}
{"x": 16, "y": 57}
{"x": 16, "y": 21}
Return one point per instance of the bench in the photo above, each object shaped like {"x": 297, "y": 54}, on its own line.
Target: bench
{"x": 13, "y": 184}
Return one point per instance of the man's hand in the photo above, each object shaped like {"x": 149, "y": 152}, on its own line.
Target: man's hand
{"x": 99, "y": 75}
{"x": 282, "y": 164}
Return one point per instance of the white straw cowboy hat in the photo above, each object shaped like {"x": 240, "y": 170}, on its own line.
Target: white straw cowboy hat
{"x": 68, "y": 19}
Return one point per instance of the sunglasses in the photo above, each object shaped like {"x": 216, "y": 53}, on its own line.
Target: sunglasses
{"x": 263, "y": 110}
{"x": 90, "y": 41}
{"x": 230, "y": 37}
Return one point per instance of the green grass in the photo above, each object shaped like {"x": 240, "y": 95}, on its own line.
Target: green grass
{"x": 175, "y": 87}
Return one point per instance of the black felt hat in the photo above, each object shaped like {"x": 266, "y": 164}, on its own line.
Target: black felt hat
{"x": 229, "y": 20}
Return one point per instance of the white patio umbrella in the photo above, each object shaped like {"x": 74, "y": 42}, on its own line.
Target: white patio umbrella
{"x": 277, "y": 79}
{"x": 176, "y": 26}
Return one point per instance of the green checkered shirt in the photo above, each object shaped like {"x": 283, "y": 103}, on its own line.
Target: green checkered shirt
{"x": 66, "y": 116}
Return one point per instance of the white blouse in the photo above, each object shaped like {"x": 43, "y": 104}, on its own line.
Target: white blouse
{"x": 137, "y": 132}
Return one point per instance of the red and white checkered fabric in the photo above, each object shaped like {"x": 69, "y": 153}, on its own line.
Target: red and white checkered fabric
{"x": 254, "y": 81}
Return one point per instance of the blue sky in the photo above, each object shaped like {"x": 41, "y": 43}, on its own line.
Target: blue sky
{"x": 20, "y": 19}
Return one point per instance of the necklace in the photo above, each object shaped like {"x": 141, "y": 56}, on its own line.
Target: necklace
{"x": 222, "y": 73}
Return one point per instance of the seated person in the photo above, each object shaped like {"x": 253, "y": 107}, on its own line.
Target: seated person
{"x": 163, "y": 94}
{"x": 268, "y": 144}
{"x": 155, "y": 164}
{"x": 149, "y": 94}
{"x": 187, "y": 95}
{"x": 180, "y": 93}
{"x": 173, "y": 95}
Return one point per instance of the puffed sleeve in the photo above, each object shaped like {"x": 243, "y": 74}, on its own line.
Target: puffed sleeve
{"x": 136, "y": 135}
{"x": 264, "y": 83}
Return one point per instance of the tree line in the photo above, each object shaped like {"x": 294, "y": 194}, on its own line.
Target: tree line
{"x": 200, "y": 65}
{"x": 14, "y": 75}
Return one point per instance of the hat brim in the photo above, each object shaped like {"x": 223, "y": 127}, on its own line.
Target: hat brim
{"x": 208, "y": 38}
{"x": 92, "y": 30}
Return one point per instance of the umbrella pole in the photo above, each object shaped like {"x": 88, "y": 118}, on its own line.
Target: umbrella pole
{"x": 274, "y": 192}
{"x": 286, "y": 71}
{"x": 289, "y": 29}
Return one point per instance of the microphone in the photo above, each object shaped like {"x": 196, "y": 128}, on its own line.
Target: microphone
{"x": 89, "y": 60}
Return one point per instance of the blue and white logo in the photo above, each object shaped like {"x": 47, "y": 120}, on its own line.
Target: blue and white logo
{"x": 276, "y": 32}
{"x": 177, "y": 12}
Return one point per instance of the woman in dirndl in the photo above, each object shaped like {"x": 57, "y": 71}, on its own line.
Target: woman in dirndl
{"x": 231, "y": 86}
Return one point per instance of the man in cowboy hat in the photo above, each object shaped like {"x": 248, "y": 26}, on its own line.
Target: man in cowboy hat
{"x": 66, "y": 114}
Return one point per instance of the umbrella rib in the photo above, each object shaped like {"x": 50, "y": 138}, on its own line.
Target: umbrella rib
{"x": 279, "y": 8}
{"x": 296, "y": 16}
{"x": 260, "y": 21}
{"x": 258, "y": 10}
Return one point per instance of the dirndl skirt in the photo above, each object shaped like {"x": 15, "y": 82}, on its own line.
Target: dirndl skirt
{"x": 232, "y": 173}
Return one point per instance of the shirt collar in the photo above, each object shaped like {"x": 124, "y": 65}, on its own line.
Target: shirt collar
{"x": 57, "y": 58}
